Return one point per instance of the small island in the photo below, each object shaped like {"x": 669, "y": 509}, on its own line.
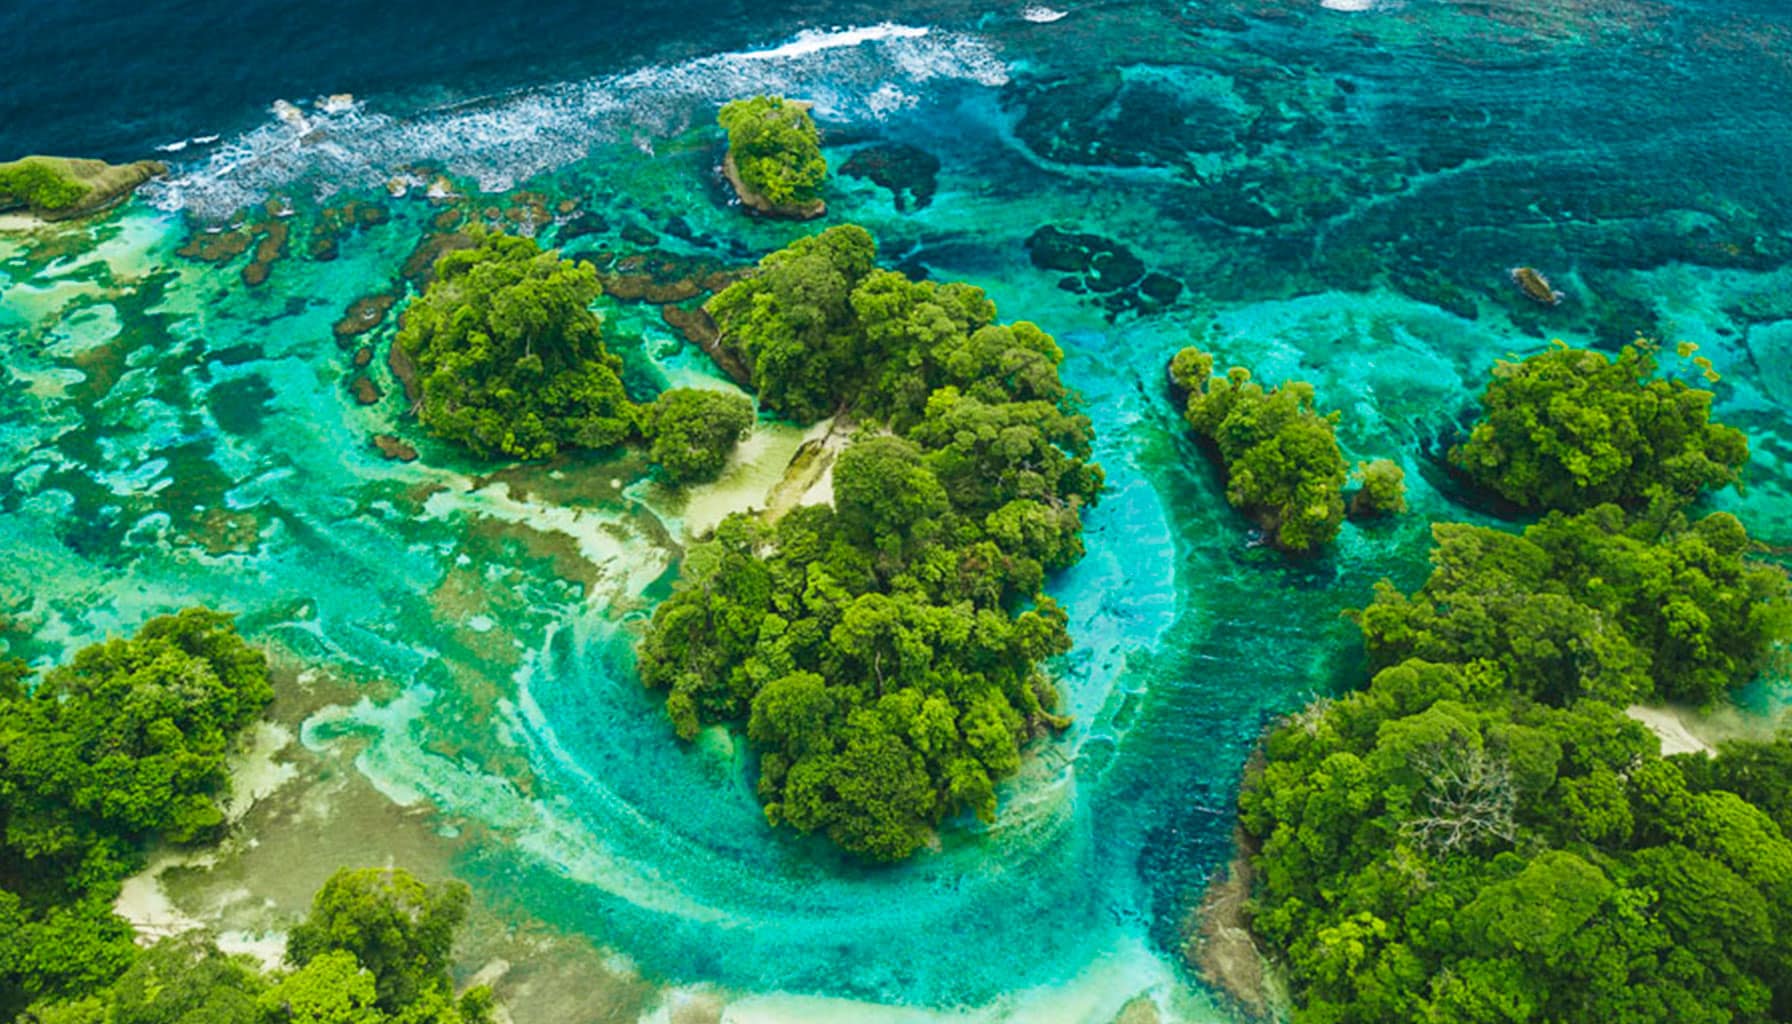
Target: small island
{"x": 1281, "y": 459}
{"x": 774, "y": 157}
{"x": 885, "y": 652}
{"x": 56, "y": 188}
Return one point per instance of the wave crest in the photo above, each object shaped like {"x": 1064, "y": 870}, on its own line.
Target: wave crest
{"x": 849, "y": 74}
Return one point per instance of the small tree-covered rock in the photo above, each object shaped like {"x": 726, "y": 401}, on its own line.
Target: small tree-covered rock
{"x": 1283, "y": 465}
{"x": 774, "y": 151}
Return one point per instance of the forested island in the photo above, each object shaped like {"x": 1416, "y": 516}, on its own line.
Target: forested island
{"x": 886, "y": 653}
{"x": 1482, "y": 833}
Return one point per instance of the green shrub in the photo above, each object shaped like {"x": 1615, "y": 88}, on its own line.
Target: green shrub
{"x": 40, "y": 185}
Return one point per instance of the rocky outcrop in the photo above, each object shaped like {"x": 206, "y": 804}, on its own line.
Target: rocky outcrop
{"x": 765, "y": 207}
{"x": 65, "y": 188}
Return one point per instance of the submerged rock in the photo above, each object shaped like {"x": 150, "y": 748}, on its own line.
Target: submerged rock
{"x": 66, "y": 188}
{"x": 400, "y": 363}
{"x": 909, "y": 173}
{"x": 272, "y": 235}
{"x": 1101, "y": 268}
{"x": 366, "y": 391}
{"x": 216, "y": 247}
{"x": 1535, "y": 285}
{"x": 394, "y": 448}
{"x": 364, "y": 315}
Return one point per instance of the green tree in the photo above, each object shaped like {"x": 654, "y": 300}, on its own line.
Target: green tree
{"x": 1381, "y": 490}
{"x": 1571, "y": 428}
{"x": 776, "y": 148}
{"x": 393, "y": 925}
{"x": 510, "y": 354}
{"x": 1282, "y": 461}
{"x": 692, "y": 431}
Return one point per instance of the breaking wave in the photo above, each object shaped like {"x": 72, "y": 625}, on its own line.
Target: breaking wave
{"x": 849, "y": 74}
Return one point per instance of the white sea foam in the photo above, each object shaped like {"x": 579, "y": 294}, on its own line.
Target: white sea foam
{"x": 861, "y": 73}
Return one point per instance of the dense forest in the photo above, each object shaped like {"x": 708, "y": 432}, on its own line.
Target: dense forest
{"x": 1482, "y": 834}
{"x": 886, "y": 652}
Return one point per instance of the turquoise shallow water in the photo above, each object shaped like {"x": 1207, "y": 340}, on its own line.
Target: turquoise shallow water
{"x": 1335, "y": 195}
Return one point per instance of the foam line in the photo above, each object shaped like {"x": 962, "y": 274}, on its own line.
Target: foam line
{"x": 860, "y": 73}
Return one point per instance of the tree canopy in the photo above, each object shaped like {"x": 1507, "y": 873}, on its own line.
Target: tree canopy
{"x": 886, "y": 652}
{"x": 374, "y": 950}
{"x": 124, "y": 744}
{"x": 1281, "y": 457}
{"x": 1572, "y": 428}
{"x": 1442, "y": 848}
{"x": 1592, "y": 605}
{"x": 776, "y": 148}
{"x": 1482, "y": 835}
{"x": 691, "y": 431}
{"x": 511, "y": 356}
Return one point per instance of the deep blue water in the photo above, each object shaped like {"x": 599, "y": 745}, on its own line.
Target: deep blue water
{"x": 113, "y": 78}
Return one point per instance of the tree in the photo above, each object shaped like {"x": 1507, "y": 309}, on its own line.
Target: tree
{"x": 393, "y": 925}
{"x": 1382, "y": 489}
{"x": 1570, "y": 428}
{"x": 776, "y": 148}
{"x": 510, "y": 354}
{"x": 692, "y": 431}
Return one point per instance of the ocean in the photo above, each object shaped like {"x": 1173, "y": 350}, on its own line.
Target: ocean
{"x": 1333, "y": 191}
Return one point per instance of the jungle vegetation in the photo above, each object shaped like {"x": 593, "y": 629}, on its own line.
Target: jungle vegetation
{"x": 1482, "y": 834}
{"x": 1281, "y": 458}
{"x": 885, "y": 653}
{"x": 122, "y": 746}
{"x": 1571, "y": 428}
{"x": 125, "y": 746}
{"x": 375, "y": 949}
